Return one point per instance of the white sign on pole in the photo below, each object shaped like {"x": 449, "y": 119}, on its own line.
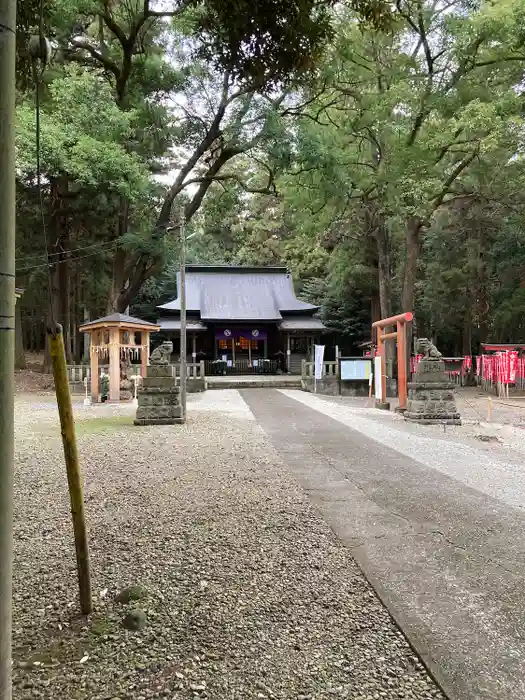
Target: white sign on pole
{"x": 318, "y": 361}
{"x": 378, "y": 385}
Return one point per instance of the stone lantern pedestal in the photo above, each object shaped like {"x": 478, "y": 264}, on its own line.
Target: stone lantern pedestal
{"x": 430, "y": 395}
{"x": 158, "y": 398}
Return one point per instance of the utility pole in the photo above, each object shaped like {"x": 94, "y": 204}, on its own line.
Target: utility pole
{"x": 183, "y": 313}
{"x": 7, "y": 331}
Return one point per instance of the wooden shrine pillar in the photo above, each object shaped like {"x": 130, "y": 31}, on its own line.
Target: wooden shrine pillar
{"x": 114, "y": 364}
{"x": 95, "y": 396}
{"x": 144, "y": 353}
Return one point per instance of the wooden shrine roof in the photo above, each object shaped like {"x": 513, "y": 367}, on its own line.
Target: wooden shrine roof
{"x": 236, "y": 293}
{"x": 120, "y": 320}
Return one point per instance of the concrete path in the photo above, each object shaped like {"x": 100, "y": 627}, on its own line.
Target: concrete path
{"x": 435, "y": 525}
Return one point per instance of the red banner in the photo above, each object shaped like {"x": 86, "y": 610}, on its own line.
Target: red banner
{"x": 503, "y": 367}
{"x": 413, "y": 363}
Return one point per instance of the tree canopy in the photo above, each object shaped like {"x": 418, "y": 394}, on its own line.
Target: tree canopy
{"x": 373, "y": 147}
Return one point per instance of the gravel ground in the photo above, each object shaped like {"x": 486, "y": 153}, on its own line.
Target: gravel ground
{"x": 248, "y": 593}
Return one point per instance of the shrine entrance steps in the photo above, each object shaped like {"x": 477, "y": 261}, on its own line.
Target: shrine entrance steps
{"x": 262, "y": 381}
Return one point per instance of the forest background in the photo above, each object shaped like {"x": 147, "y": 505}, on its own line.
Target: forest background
{"x": 373, "y": 148}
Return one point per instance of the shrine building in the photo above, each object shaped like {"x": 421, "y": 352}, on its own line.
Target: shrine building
{"x": 247, "y": 319}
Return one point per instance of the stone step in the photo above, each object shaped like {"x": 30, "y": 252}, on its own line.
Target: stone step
{"x": 232, "y": 383}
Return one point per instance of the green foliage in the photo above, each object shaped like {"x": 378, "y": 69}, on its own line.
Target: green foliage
{"x": 377, "y": 154}
{"x": 272, "y": 40}
{"x": 83, "y": 135}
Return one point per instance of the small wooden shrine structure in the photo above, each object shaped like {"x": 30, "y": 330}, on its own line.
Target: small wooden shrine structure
{"x": 115, "y": 339}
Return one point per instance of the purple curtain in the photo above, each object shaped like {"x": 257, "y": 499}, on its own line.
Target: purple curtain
{"x": 248, "y": 333}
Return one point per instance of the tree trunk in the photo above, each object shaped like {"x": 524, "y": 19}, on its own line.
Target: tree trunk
{"x": 412, "y": 256}
{"x": 76, "y": 320}
{"x": 58, "y": 311}
{"x": 383, "y": 272}
{"x": 86, "y": 353}
{"x": 375, "y": 313}
{"x": 119, "y": 280}
{"x": 409, "y": 282}
{"x": 384, "y": 282}
{"x": 376, "y": 223}
{"x": 466, "y": 340}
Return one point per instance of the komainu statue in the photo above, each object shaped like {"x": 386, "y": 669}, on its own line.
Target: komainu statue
{"x": 161, "y": 355}
{"x": 427, "y": 349}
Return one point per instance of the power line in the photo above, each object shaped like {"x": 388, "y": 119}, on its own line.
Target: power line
{"x": 57, "y": 262}
{"x": 103, "y": 244}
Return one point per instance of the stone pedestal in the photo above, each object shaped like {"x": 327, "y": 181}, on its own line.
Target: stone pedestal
{"x": 158, "y": 398}
{"x": 431, "y": 395}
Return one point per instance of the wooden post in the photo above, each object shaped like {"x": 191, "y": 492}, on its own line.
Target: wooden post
{"x": 144, "y": 357}
{"x": 401, "y": 365}
{"x": 288, "y": 352}
{"x": 114, "y": 364}
{"x": 194, "y": 354}
{"x": 202, "y": 369}
{"x": 233, "y": 351}
{"x": 381, "y": 354}
{"x": 93, "y": 366}
{"x": 249, "y": 352}
{"x": 76, "y": 496}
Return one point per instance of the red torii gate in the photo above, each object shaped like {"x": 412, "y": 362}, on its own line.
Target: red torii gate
{"x": 400, "y": 335}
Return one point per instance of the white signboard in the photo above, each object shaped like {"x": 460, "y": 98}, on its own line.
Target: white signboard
{"x": 355, "y": 370}
{"x": 378, "y": 388}
{"x": 318, "y": 361}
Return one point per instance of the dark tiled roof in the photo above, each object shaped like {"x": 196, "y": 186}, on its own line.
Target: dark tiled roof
{"x": 120, "y": 318}
{"x": 239, "y": 294}
{"x": 302, "y": 323}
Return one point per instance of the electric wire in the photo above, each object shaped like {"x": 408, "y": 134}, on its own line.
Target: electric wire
{"x": 101, "y": 245}
{"x": 52, "y": 263}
